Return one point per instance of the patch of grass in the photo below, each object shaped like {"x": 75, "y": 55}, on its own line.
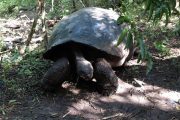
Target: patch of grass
{"x": 32, "y": 65}
{"x": 9, "y": 60}
{"x": 161, "y": 46}
{"x": 3, "y": 110}
{"x": 1, "y": 44}
{"x": 60, "y": 8}
{"x": 21, "y": 72}
{"x": 177, "y": 29}
{"x": 10, "y": 8}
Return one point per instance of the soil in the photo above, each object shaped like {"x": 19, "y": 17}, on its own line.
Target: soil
{"x": 155, "y": 96}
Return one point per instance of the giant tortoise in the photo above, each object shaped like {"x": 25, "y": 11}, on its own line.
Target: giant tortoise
{"x": 84, "y": 44}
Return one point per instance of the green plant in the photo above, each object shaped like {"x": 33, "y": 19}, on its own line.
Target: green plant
{"x": 28, "y": 67}
{"x": 9, "y": 8}
{"x": 177, "y": 28}
{"x": 157, "y": 8}
{"x": 8, "y": 61}
{"x": 1, "y": 44}
{"x": 131, "y": 32}
{"x": 59, "y": 9}
{"x": 32, "y": 65}
{"x": 2, "y": 110}
{"x": 161, "y": 46}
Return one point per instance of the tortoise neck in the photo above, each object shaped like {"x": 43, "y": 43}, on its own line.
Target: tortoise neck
{"x": 78, "y": 54}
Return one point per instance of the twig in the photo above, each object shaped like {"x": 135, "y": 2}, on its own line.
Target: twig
{"x": 66, "y": 114}
{"x": 112, "y": 116}
{"x": 40, "y": 11}
{"x": 131, "y": 115}
{"x": 90, "y": 103}
{"x": 82, "y": 3}
{"x": 74, "y": 5}
{"x": 5, "y": 51}
{"x": 32, "y": 30}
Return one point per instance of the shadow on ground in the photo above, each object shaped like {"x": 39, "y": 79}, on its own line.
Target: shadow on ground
{"x": 153, "y": 97}
{"x": 165, "y": 74}
{"x": 88, "y": 106}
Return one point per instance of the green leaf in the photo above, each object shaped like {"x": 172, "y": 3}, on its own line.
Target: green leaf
{"x": 3, "y": 111}
{"x": 142, "y": 48}
{"x": 139, "y": 58}
{"x": 161, "y": 13}
{"x": 122, "y": 36}
{"x": 173, "y": 3}
{"x": 151, "y": 11}
{"x": 167, "y": 16}
{"x": 148, "y": 4}
{"x": 123, "y": 19}
{"x": 129, "y": 41}
{"x": 158, "y": 13}
{"x": 149, "y": 64}
{"x": 169, "y": 8}
{"x": 12, "y": 101}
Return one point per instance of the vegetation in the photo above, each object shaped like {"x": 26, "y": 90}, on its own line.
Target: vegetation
{"x": 151, "y": 23}
{"x": 132, "y": 12}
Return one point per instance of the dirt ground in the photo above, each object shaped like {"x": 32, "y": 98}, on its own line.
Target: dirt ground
{"x": 155, "y": 96}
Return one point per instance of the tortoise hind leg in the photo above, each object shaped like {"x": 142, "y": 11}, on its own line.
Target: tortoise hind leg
{"x": 105, "y": 77}
{"x": 56, "y": 75}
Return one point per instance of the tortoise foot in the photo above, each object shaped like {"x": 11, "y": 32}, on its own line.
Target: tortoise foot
{"x": 105, "y": 77}
{"x": 56, "y": 75}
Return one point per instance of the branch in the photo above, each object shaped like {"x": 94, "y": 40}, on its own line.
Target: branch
{"x": 112, "y": 116}
{"x": 32, "y": 30}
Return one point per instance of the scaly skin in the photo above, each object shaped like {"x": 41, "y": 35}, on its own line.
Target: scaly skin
{"x": 60, "y": 71}
{"x": 56, "y": 75}
{"x": 105, "y": 77}
{"x": 84, "y": 68}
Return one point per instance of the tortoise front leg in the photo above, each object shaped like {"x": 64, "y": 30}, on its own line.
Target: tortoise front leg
{"x": 105, "y": 77}
{"x": 56, "y": 75}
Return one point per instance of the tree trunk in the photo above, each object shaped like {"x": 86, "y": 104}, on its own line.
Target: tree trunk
{"x": 52, "y": 5}
{"x": 74, "y": 5}
{"x": 40, "y": 11}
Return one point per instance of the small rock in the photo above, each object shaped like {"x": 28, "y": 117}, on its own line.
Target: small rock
{"x": 16, "y": 39}
{"x": 36, "y": 40}
{"x": 9, "y": 41}
{"x": 12, "y": 24}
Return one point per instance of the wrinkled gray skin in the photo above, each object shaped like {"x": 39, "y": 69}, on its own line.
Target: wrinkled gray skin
{"x": 84, "y": 42}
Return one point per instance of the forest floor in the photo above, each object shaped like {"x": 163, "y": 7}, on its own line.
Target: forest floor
{"x": 155, "y": 96}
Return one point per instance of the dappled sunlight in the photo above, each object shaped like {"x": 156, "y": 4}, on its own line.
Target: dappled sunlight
{"x": 147, "y": 96}
{"x": 84, "y": 108}
{"x": 70, "y": 88}
{"x": 139, "y": 96}
{"x": 135, "y": 62}
{"x": 174, "y": 52}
